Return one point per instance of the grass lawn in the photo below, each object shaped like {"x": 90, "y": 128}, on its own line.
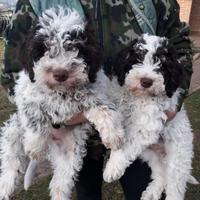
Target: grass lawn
{"x": 193, "y": 108}
{"x": 39, "y": 191}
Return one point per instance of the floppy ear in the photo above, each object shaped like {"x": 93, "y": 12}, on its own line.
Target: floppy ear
{"x": 35, "y": 48}
{"x": 91, "y": 52}
{"x": 172, "y": 70}
{"x": 124, "y": 61}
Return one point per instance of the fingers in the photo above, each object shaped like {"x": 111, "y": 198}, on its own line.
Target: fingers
{"x": 170, "y": 115}
{"x": 77, "y": 119}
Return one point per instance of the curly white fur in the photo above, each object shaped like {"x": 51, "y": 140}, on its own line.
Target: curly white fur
{"x": 40, "y": 105}
{"x": 145, "y": 123}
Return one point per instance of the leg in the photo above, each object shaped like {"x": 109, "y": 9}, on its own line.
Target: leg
{"x": 37, "y": 130}
{"x": 35, "y": 144}
{"x": 178, "y": 173}
{"x": 66, "y": 159}
{"x": 13, "y": 160}
{"x": 89, "y": 184}
{"x": 108, "y": 123}
{"x": 119, "y": 160}
{"x": 156, "y": 187}
{"x": 179, "y": 151}
{"x": 115, "y": 166}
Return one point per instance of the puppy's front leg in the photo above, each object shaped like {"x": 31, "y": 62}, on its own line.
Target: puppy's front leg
{"x": 108, "y": 124}
{"x": 35, "y": 145}
{"x": 37, "y": 130}
{"x": 67, "y": 158}
{"x": 157, "y": 185}
{"x": 179, "y": 153}
{"x": 13, "y": 159}
{"x": 119, "y": 160}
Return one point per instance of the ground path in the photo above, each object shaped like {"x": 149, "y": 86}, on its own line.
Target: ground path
{"x": 195, "y": 82}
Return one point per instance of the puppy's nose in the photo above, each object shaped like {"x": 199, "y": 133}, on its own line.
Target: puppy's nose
{"x": 60, "y": 75}
{"x": 146, "y": 82}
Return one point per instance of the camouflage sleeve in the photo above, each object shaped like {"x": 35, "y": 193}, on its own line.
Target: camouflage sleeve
{"x": 16, "y": 35}
{"x": 170, "y": 26}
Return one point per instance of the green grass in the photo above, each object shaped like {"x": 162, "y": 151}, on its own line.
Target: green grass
{"x": 38, "y": 191}
{"x": 193, "y": 107}
{"x": 113, "y": 191}
{"x": 6, "y": 108}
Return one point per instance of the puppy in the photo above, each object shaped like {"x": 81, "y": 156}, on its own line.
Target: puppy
{"x": 61, "y": 67}
{"x": 145, "y": 85}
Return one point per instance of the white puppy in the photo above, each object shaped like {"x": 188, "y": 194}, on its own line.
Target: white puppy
{"x": 150, "y": 74}
{"x": 61, "y": 83}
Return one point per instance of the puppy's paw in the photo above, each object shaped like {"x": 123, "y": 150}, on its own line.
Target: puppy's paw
{"x": 6, "y": 189}
{"x": 35, "y": 153}
{"x": 3, "y": 198}
{"x": 109, "y": 125}
{"x": 113, "y": 137}
{"x": 115, "y": 166}
{"x": 39, "y": 156}
{"x": 113, "y": 141}
{"x": 154, "y": 190}
{"x": 112, "y": 173}
{"x": 36, "y": 149}
{"x": 148, "y": 196}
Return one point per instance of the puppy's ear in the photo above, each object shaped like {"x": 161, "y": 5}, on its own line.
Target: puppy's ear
{"x": 35, "y": 48}
{"x": 124, "y": 61}
{"x": 171, "y": 68}
{"x": 38, "y": 47}
{"x": 91, "y": 52}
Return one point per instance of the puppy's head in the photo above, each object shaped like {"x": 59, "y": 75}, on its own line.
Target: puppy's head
{"x": 149, "y": 66}
{"x": 63, "y": 54}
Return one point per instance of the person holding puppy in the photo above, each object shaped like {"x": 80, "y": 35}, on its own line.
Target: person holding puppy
{"x": 115, "y": 24}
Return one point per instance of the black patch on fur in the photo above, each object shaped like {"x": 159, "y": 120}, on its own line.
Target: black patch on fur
{"x": 91, "y": 52}
{"x": 128, "y": 57}
{"x": 35, "y": 48}
{"x": 170, "y": 68}
{"x": 85, "y": 42}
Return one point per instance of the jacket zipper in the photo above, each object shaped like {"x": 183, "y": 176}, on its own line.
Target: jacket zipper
{"x": 136, "y": 10}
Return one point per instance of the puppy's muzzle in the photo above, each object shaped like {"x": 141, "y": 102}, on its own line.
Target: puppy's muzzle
{"x": 60, "y": 75}
{"x": 146, "y": 82}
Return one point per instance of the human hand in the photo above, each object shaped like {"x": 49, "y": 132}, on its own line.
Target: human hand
{"x": 158, "y": 148}
{"x": 76, "y": 119}
{"x": 59, "y": 134}
{"x": 170, "y": 115}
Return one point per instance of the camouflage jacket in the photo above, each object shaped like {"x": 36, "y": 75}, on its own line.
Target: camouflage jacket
{"x": 115, "y": 22}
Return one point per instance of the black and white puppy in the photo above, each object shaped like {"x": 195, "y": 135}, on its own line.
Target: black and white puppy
{"x": 60, "y": 83}
{"x": 146, "y": 83}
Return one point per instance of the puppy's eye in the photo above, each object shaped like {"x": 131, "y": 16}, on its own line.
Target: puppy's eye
{"x": 163, "y": 58}
{"x": 159, "y": 58}
{"x": 74, "y": 65}
{"x": 157, "y": 70}
{"x": 156, "y": 59}
{"x": 165, "y": 50}
{"x": 68, "y": 46}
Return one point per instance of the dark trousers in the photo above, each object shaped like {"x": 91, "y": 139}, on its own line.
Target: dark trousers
{"x": 134, "y": 181}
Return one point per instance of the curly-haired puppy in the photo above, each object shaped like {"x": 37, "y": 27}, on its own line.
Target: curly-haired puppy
{"x": 60, "y": 85}
{"x": 149, "y": 75}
